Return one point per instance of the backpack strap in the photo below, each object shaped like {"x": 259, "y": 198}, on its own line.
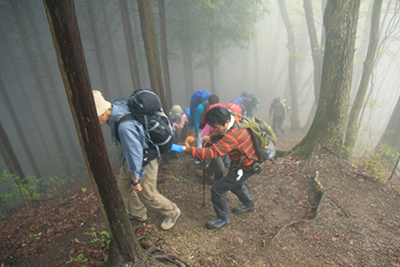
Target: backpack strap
{"x": 125, "y": 117}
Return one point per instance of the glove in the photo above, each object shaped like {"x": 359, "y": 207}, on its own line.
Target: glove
{"x": 176, "y": 148}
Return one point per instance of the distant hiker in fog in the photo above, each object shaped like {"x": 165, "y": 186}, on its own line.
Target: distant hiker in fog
{"x": 135, "y": 180}
{"x": 279, "y": 107}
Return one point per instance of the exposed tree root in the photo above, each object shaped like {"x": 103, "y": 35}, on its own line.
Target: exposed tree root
{"x": 323, "y": 194}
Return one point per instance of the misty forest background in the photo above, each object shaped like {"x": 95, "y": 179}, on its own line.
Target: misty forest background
{"x": 224, "y": 47}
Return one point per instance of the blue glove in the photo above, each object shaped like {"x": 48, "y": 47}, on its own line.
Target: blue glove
{"x": 176, "y": 148}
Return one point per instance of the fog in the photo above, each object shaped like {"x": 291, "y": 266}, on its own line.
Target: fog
{"x": 259, "y": 65}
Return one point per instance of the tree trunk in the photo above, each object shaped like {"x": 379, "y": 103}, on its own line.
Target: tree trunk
{"x": 317, "y": 55}
{"x": 188, "y": 54}
{"x": 392, "y": 131}
{"x": 9, "y": 157}
{"x": 211, "y": 66}
{"x": 256, "y": 66}
{"x": 42, "y": 92}
{"x": 327, "y": 129}
{"x": 111, "y": 49}
{"x": 352, "y": 128}
{"x": 72, "y": 143}
{"x": 152, "y": 55}
{"x": 67, "y": 42}
{"x": 294, "y": 114}
{"x": 130, "y": 45}
{"x": 164, "y": 52}
{"x": 24, "y": 94}
{"x": 19, "y": 130}
{"x": 98, "y": 50}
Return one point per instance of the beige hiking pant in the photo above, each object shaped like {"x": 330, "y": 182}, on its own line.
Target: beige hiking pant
{"x": 149, "y": 195}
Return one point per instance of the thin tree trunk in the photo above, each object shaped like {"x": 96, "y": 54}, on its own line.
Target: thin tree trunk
{"x": 188, "y": 54}
{"x": 294, "y": 114}
{"x": 18, "y": 128}
{"x": 256, "y": 66}
{"x": 152, "y": 55}
{"x": 352, "y": 129}
{"x": 67, "y": 42}
{"x": 164, "y": 51}
{"x": 130, "y": 45}
{"x": 24, "y": 94}
{"x": 40, "y": 86}
{"x": 392, "y": 131}
{"x": 98, "y": 50}
{"x": 317, "y": 55}
{"x": 212, "y": 55}
{"x": 46, "y": 65}
{"x": 9, "y": 157}
{"x": 111, "y": 48}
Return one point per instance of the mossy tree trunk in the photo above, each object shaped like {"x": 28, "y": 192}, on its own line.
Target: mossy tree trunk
{"x": 352, "y": 128}
{"x": 340, "y": 20}
{"x": 67, "y": 42}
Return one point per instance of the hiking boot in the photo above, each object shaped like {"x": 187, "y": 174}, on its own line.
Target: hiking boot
{"x": 217, "y": 223}
{"x": 140, "y": 219}
{"x": 169, "y": 222}
{"x": 243, "y": 208}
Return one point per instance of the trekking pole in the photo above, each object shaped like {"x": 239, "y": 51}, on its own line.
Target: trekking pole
{"x": 204, "y": 183}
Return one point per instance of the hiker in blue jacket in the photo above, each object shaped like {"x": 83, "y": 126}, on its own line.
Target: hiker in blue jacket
{"x": 135, "y": 180}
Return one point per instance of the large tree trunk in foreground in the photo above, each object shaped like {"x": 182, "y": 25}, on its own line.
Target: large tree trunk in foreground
{"x": 152, "y": 55}
{"x": 327, "y": 129}
{"x": 67, "y": 42}
{"x": 352, "y": 128}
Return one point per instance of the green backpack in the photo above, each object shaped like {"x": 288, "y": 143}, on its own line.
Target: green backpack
{"x": 263, "y": 136}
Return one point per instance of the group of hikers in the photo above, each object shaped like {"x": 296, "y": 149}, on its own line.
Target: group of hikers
{"x": 221, "y": 138}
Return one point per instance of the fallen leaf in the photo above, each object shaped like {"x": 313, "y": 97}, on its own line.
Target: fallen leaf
{"x": 77, "y": 240}
{"x": 232, "y": 247}
{"x": 373, "y": 205}
{"x": 72, "y": 251}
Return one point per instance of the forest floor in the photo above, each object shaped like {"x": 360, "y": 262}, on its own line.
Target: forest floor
{"x": 323, "y": 212}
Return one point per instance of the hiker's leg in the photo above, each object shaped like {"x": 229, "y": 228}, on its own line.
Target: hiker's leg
{"x": 242, "y": 192}
{"x": 218, "y": 194}
{"x": 217, "y": 166}
{"x": 132, "y": 203}
{"x": 150, "y": 195}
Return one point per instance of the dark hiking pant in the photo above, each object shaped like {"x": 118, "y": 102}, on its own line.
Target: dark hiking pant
{"x": 230, "y": 183}
{"x": 218, "y": 165}
{"x": 277, "y": 124}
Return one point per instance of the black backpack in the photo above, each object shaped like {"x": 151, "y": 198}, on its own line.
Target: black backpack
{"x": 145, "y": 107}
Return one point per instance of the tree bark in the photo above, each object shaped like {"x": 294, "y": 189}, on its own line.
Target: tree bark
{"x": 164, "y": 52}
{"x": 67, "y": 42}
{"x": 352, "y": 128}
{"x": 35, "y": 70}
{"x": 340, "y": 20}
{"x": 152, "y": 55}
{"x": 130, "y": 45}
{"x": 294, "y": 114}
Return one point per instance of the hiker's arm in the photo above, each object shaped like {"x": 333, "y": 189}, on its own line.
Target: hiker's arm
{"x": 132, "y": 142}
